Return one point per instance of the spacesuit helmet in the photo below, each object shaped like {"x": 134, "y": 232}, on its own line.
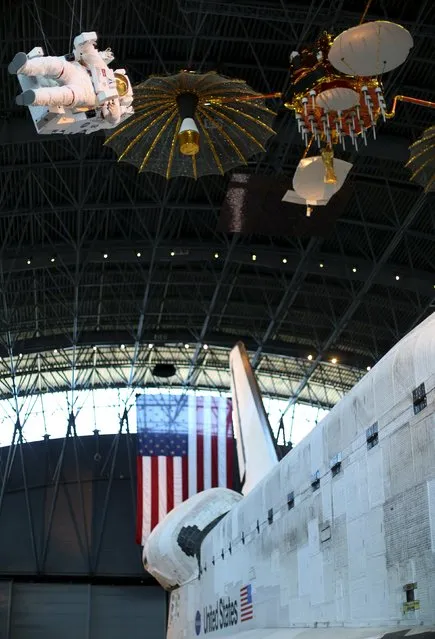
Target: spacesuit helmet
{"x": 85, "y": 43}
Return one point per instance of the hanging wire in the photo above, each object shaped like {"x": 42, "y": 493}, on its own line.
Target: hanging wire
{"x": 72, "y": 25}
{"x": 363, "y": 17}
{"x": 81, "y": 15}
{"x": 74, "y": 18}
{"x": 308, "y": 147}
{"x": 41, "y": 27}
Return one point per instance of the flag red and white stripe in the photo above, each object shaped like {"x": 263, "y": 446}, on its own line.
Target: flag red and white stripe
{"x": 164, "y": 481}
{"x": 246, "y": 604}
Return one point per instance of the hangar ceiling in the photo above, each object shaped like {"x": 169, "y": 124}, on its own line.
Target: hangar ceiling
{"x": 98, "y": 263}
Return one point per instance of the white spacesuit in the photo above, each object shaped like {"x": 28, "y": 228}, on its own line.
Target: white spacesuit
{"x": 85, "y": 83}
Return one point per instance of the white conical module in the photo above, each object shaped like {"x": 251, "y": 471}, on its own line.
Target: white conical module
{"x": 188, "y": 124}
{"x": 309, "y": 180}
{"x": 370, "y": 48}
{"x": 188, "y": 137}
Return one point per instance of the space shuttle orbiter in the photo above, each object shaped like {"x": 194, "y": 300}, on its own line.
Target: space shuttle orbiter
{"x": 337, "y": 540}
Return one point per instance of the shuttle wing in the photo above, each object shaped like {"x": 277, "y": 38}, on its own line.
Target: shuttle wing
{"x": 255, "y": 446}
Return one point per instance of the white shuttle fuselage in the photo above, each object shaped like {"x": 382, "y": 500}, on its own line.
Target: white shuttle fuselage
{"x": 335, "y": 541}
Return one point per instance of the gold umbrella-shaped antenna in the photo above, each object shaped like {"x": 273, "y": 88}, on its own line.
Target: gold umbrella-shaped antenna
{"x": 193, "y": 124}
{"x": 422, "y": 160}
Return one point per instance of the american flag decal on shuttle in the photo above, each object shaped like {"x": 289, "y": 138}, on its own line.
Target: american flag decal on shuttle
{"x": 246, "y": 605}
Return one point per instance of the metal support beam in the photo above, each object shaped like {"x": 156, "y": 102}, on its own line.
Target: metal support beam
{"x": 347, "y": 316}
{"x": 278, "y": 11}
{"x": 288, "y": 297}
{"x": 141, "y": 320}
{"x": 211, "y": 308}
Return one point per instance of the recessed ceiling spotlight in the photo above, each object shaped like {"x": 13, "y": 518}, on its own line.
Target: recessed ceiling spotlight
{"x": 105, "y": 256}
{"x": 205, "y": 347}
{"x": 20, "y": 355}
{"x": 216, "y": 255}
{"x": 321, "y": 265}
{"x": 55, "y": 351}
{"x": 172, "y": 253}
{"x": 150, "y": 346}
{"x": 284, "y": 261}
{"x": 369, "y": 368}
{"x": 138, "y": 254}
{"x": 254, "y": 257}
{"x": 123, "y": 347}
{"x": 397, "y": 277}
{"x": 53, "y": 259}
{"x": 186, "y": 345}
{"x": 354, "y": 269}
{"x": 310, "y": 357}
{"x": 94, "y": 348}
{"x": 334, "y": 360}
{"x": 29, "y": 261}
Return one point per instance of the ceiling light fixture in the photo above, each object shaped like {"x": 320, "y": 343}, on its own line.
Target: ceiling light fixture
{"x": 369, "y": 368}
{"x": 150, "y": 346}
{"x": 216, "y": 255}
{"x": 321, "y": 265}
{"x": 138, "y": 254}
{"x": 310, "y": 357}
{"x": 186, "y": 345}
{"x": 105, "y": 256}
{"x": 53, "y": 259}
{"x": 284, "y": 261}
{"x": 254, "y": 257}
{"x": 354, "y": 269}
{"x": 123, "y": 347}
{"x": 205, "y": 347}
{"x": 29, "y": 261}
{"x": 334, "y": 360}
{"x": 172, "y": 253}
{"x": 397, "y": 277}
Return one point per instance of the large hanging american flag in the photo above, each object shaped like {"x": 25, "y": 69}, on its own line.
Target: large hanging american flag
{"x": 185, "y": 445}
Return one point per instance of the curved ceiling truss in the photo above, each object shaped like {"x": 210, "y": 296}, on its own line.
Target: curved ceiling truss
{"x": 91, "y": 366}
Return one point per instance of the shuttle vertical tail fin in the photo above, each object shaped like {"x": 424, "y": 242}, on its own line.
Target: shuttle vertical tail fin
{"x": 255, "y": 446}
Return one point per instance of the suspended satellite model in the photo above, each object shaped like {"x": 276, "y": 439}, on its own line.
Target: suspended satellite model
{"x": 76, "y": 93}
{"x": 317, "y": 179}
{"x": 193, "y": 124}
{"x": 336, "y": 88}
{"x": 337, "y": 95}
{"x": 422, "y": 160}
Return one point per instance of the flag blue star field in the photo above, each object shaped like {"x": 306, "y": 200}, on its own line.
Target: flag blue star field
{"x": 185, "y": 445}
